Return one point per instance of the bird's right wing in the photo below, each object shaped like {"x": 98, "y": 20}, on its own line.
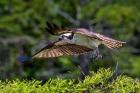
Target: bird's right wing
{"x": 109, "y": 42}
{"x": 61, "y": 48}
{"x": 55, "y": 29}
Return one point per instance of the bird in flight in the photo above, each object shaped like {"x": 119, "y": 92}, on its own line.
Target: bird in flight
{"x": 75, "y": 41}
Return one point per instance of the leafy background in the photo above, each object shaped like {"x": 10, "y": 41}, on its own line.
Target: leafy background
{"x": 22, "y": 24}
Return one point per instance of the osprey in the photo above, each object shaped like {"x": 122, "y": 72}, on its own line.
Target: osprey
{"x": 75, "y": 41}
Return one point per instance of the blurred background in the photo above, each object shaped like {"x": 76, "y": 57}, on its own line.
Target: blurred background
{"x": 22, "y": 24}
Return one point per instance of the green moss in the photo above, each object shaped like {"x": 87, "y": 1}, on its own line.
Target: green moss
{"x": 95, "y": 83}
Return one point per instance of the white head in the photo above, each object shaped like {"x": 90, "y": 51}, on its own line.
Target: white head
{"x": 66, "y": 36}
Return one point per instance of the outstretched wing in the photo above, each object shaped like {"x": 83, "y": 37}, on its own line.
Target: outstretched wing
{"x": 61, "y": 48}
{"x": 56, "y": 30}
{"x": 109, "y": 42}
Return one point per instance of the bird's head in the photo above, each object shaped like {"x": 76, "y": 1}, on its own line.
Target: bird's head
{"x": 66, "y": 36}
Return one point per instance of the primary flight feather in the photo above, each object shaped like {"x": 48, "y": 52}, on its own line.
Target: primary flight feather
{"x": 60, "y": 48}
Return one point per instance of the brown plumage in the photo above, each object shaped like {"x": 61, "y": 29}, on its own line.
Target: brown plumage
{"x": 109, "y": 42}
{"x": 60, "y": 48}
{"x": 75, "y": 41}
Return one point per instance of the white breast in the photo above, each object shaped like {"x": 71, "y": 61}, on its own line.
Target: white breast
{"x": 67, "y": 34}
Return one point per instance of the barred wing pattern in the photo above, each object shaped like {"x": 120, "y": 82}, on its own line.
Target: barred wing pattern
{"x": 109, "y": 42}
{"x": 61, "y": 49}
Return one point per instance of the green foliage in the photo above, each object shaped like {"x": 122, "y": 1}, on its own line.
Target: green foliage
{"x": 116, "y": 14}
{"x": 123, "y": 84}
{"x": 95, "y": 83}
{"x": 22, "y": 17}
{"x": 135, "y": 62}
{"x": 117, "y": 18}
{"x": 123, "y": 18}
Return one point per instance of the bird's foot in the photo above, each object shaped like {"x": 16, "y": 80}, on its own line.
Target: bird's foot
{"x": 99, "y": 56}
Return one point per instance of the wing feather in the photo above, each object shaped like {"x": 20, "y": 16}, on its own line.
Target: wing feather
{"x": 56, "y": 30}
{"x": 109, "y": 42}
{"x": 60, "y": 49}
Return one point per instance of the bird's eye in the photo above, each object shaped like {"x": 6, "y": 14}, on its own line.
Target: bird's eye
{"x": 71, "y": 36}
{"x": 62, "y": 37}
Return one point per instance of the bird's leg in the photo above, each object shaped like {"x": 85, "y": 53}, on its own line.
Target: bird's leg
{"x": 91, "y": 54}
{"x": 97, "y": 53}
{"x": 94, "y": 54}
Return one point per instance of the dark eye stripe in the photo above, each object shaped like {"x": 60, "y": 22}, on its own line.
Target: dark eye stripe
{"x": 71, "y": 37}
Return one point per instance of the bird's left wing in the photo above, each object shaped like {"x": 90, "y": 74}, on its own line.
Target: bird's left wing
{"x": 107, "y": 41}
{"x": 61, "y": 48}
